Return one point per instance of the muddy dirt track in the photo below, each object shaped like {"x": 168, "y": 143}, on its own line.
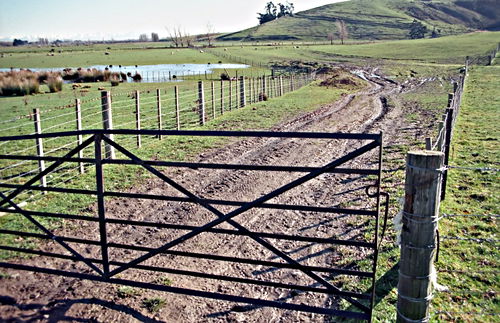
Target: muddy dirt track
{"x": 38, "y": 297}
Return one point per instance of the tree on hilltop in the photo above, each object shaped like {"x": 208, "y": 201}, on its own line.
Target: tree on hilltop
{"x": 273, "y": 13}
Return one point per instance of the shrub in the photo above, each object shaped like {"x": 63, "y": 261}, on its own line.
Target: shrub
{"x": 263, "y": 96}
{"x": 154, "y": 304}
{"x": 225, "y": 77}
{"x": 55, "y": 83}
{"x": 18, "y": 83}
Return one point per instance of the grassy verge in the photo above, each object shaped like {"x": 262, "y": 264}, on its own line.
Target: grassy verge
{"x": 470, "y": 268}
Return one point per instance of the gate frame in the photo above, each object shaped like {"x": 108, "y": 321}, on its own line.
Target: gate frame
{"x": 106, "y": 275}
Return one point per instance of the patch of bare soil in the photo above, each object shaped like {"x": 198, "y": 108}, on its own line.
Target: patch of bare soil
{"x": 45, "y": 298}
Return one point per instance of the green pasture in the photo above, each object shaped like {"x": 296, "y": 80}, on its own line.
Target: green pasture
{"x": 444, "y": 50}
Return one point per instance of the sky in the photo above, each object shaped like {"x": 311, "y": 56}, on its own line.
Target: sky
{"x": 127, "y": 19}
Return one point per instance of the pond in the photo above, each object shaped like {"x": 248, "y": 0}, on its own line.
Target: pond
{"x": 155, "y": 73}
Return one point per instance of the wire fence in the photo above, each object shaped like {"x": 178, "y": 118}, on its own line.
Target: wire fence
{"x": 178, "y": 108}
{"x": 479, "y": 231}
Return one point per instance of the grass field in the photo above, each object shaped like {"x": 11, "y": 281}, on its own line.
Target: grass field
{"x": 444, "y": 50}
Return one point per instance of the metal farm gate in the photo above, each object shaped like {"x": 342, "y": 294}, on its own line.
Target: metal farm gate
{"x": 106, "y": 269}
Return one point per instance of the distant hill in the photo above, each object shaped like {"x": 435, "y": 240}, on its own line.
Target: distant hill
{"x": 378, "y": 19}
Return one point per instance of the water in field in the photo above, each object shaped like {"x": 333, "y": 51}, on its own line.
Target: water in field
{"x": 156, "y": 73}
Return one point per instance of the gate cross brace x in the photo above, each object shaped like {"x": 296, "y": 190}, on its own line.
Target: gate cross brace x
{"x": 8, "y": 199}
{"x": 228, "y": 217}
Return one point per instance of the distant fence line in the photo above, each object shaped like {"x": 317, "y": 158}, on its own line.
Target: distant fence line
{"x": 485, "y": 60}
{"x": 162, "y": 109}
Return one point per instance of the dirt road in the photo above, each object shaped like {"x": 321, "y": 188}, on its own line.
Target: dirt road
{"x": 37, "y": 297}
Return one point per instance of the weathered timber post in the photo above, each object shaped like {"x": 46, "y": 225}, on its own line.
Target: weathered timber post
{"x": 428, "y": 143}
{"x": 177, "y": 108}
{"x": 440, "y": 135}
{"x": 212, "y": 96}
{"x": 450, "y": 100}
{"x": 418, "y": 237}
{"x": 230, "y": 94}
{"x": 447, "y": 148}
{"x": 39, "y": 146}
{"x": 243, "y": 97}
{"x": 158, "y": 111}
{"x": 221, "y": 97}
{"x": 201, "y": 102}
{"x": 107, "y": 122}
{"x": 138, "y": 117}
{"x": 79, "y": 138}
{"x": 264, "y": 87}
{"x": 281, "y": 86}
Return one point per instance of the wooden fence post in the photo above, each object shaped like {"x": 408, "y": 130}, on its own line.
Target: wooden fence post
{"x": 138, "y": 117}
{"x": 440, "y": 136}
{"x": 221, "y": 97}
{"x": 201, "y": 102}
{"x": 39, "y": 146}
{"x": 428, "y": 143}
{"x": 177, "y": 108}
{"x": 281, "y": 85}
{"x": 107, "y": 122}
{"x": 418, "y": 238}
{"x": 243, "y": 97}
{"x": 79, "y": 138}
{"x": 264, "y": 87}
{"x": 230, "y": 94}
{"x": 158, "y": 111}
{"x": 447, "y": 148}
{"x": 212, "y": 90}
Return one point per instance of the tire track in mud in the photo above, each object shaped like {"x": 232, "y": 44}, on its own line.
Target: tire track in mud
{"x": 360, "y": 112}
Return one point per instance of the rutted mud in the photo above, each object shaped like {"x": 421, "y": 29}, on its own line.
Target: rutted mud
{"x": 49, "y": 298}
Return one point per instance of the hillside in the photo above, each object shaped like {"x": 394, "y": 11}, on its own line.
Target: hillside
{"x": 378, "y": 19}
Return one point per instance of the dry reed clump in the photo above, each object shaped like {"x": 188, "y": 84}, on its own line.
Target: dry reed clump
{"x": 88, "y": 75}
{"x": 55, "y": 83}
{"x": 18, "y": 83}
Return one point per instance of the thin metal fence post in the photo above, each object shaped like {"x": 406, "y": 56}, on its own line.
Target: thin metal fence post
{"x": 447, "y": 148}
{"x": 243, "y": 98}
{"x": 281, "y": 85}
{"x": 212, "y": 92}
{"x": 158, "y": 111}
{"x": 230, "y": 94}
{"x": 440, "y": 136}
{"x": 39, "y": 145}
{"x": 177, "y": 108}
{"x": 100, "y": 204}
{"x": 201, "y": 102}
{"x": 138, "y": 117}
{"x": 79, "y": 138}
{"x": 221, "y": 97}
{"x": 107, "y": 119}
{"x": 264, "y": 87}
{"x": 418, "y": 239}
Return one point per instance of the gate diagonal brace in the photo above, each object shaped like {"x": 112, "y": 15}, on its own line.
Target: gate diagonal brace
{"x": 47, "y": 170}
{"x": 8, "y": 200}
{"x": 228, "y": 217}
{"x": 52, "y": 236}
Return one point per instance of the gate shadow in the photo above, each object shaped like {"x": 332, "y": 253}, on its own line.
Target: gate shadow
{"x": 58, "y": 309}
{"x": 383, "y": 287}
